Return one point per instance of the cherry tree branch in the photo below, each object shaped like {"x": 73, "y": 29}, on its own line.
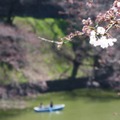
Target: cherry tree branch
{"x": 51, "y": 41}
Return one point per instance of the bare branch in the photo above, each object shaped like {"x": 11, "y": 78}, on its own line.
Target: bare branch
{"x": 51, "y": 41}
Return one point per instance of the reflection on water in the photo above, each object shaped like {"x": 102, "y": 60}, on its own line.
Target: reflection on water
{"x": 48, "y": 115}
{"x": 54, "y": 115}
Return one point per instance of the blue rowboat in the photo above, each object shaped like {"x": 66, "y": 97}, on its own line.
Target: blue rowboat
{"x": 49, "y": 109}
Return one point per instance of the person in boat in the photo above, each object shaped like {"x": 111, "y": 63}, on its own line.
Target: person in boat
{"x": 51, "y": 104}
{"x": 41, "y": 105}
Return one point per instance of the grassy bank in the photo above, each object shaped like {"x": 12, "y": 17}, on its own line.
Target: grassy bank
{"x": 42, "y": 59}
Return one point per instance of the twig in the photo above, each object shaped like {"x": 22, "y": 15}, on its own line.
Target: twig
{"x": 110, "y": 27}
{"x": 51, "y": 41}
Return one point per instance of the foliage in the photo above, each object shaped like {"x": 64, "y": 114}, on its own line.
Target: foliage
{"x": 103, "y": 64}
{"x": 47, "y": 60}
{"x": 99, "y": 63}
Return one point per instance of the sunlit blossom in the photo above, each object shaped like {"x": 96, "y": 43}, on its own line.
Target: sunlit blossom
{"x": 114, "y": 9}
{"x": 102, "y": 41}
{"x": 111, "y": 41}
{"x": 100, "y": 30}
{"x": 118, "y": 4}
{"x": 93, "y": 39}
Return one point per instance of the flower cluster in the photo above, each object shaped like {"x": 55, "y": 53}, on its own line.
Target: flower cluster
{"x": 98, "y": 35}
{"x": 110, "y": 15}
{"x": 98, "y": 38}
{"x": 86, "y": 28}
{"x": 97, "y": 30}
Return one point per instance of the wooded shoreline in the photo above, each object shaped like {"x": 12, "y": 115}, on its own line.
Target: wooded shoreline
{"x": 28, "y": 89}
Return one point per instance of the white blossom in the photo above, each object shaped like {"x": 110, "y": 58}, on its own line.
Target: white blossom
{"x": 111, "y": 41}
{"x": 102, "y": 41}
{"x": 118, "y": 4}
{"x": 93, "y": 33}
{"x": 100, "y": 30}
{"x": 114, "y": 9}
{"x": 93, "y": 38}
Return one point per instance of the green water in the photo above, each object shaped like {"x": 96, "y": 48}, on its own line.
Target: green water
{"x": 78, "y": 107}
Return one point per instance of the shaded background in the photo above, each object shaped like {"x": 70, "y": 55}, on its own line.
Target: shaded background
{"x": 24, "y": 59}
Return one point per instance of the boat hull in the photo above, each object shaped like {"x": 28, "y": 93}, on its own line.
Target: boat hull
{"x": 49, "y": 109}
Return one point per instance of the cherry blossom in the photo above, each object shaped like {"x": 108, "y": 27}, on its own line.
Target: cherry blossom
{"x": 100, "y": 30}
{"x": 97, "y": 38}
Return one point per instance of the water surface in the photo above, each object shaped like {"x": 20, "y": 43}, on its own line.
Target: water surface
{"x": 77, "y": 108}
